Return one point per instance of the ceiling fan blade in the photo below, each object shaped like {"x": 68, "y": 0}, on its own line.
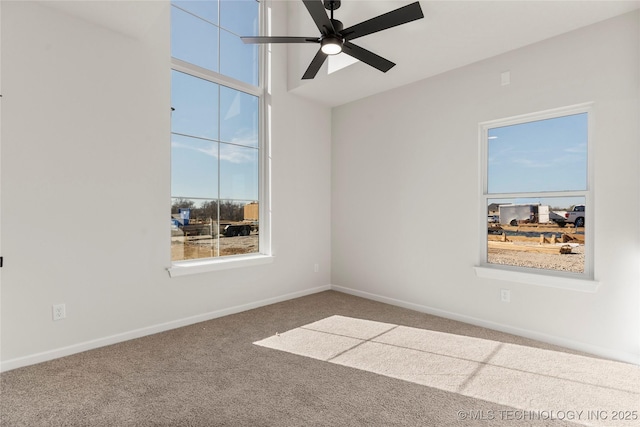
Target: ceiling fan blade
{"x": 367, "y": 57}
{"x": 391, "y": 19}
{"x": 319, "y": 15}
{"x": 315, "y": 65}
{"x": 271, "y": 39}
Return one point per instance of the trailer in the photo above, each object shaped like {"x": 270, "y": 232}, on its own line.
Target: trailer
{"x": 183, "y": 225}
{"x": 236, "y": 229}
{"x": 518, "y": 214}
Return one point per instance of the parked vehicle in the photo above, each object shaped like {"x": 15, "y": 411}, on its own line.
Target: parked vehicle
{"x": 182, "y": 225}
{"x": 493, "y": 219}
{"x": 575, "y": 217}
{"x": 239, "y": 229}
{"x": 516, "y": 214}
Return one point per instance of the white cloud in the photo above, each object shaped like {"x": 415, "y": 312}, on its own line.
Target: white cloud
{"x": 529, "y": 163}
{"x": 228, "y": 153}
{"x": 237, "y": 155}
{"x": 211, "y": 150}
{"x": 578, "y": 148}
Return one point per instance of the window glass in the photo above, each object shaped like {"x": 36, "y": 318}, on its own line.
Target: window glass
{"x": 195, "y": 104}
{"x": 205, "y": 9}
{"x": 194, "y": 167}
{"x": 238, "y": 172}
{"x": 544, "y": 155}
{"x": 531, "y": 232}
{"x": 239, "y": 16}
{"x": 195, "y": 229}
{"x": 194, "y": 40}
{"x": 239, "y": 117}
{"x": 237, "y": 59}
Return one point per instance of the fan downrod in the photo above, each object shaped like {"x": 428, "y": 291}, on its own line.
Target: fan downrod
{"x": 331, "y": 4}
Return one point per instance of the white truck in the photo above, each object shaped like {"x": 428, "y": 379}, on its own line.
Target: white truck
{"x": 575, "y": 217}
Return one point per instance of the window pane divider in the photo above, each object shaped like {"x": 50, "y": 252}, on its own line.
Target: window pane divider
{"x": 214, "y": 77}
{"x": 198, "y": 16}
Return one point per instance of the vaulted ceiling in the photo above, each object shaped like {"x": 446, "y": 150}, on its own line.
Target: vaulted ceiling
{"x": 452, "y": 34}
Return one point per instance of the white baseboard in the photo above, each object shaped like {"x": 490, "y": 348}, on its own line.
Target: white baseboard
{"x": 526, "y": 333}
{"x": 149, "y": 330}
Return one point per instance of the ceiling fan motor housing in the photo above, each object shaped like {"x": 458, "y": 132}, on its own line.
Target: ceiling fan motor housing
{"x": 337, "y": 25}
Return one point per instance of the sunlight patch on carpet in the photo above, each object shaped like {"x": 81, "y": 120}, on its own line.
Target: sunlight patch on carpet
{"x": 518, "y": 376}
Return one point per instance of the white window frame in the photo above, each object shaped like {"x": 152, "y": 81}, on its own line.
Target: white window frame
{"x": 264, "y": 254}
{"x": 585, "y": 281}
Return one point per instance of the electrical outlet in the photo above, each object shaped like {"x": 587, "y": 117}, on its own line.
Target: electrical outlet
{"x": 316, "y": 268}
{"x": 505, "y": 295}
{"x": 59, "y": 312}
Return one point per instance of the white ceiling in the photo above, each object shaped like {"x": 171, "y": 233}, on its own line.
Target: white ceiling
{"x": 452, "y": 34}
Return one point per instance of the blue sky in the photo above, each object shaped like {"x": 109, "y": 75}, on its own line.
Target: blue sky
{"x": 539, "y": 156}
{"x": 208, "y": 33}
{"x": 214, "y": 143}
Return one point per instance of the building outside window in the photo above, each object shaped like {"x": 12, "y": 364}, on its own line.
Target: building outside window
{"x": 216, "y": 143}
{"x": 536, "y": 193}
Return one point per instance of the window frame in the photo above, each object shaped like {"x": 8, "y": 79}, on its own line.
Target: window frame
{"x": 264, "y": 255}
{"x": 545, "y": 277}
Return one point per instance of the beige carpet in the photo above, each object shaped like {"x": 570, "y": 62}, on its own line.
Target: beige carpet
{"x": 539, "y": 384}
{"x": 400, "y": 368}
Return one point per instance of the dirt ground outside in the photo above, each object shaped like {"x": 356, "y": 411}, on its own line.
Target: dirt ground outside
{"x": 531, "y": 245}
{"x": 198, "y": 247}
{"x": 572, "y": 262}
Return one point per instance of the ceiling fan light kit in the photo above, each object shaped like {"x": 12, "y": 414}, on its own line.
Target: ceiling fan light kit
{"x": 331, "y": 45}
{"x": 334, "y": 38}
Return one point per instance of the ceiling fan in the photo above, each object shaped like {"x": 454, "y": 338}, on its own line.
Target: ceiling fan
{"x": 334, "y": 38}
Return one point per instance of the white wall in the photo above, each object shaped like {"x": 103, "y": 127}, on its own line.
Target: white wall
{"x": 85, "y": 187}
{"x": 405, "y": 174}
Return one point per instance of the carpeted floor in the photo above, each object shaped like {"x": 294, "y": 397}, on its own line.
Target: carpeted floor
{"x": 212, "y": 374}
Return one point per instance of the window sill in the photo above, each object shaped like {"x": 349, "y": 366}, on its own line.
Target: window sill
{"x": 184, "y": 268}
{"x": 559, "y": 282}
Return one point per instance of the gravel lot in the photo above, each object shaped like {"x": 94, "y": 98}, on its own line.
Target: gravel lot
{"x": 573, "y": 262}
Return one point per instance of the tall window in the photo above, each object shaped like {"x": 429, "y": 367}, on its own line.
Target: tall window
{"x": 537, "y": 194}
{"x": 215, "y": 129}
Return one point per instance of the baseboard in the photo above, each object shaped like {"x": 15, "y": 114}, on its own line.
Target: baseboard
{"x": 550, "y": 339}
{"x": 149, "y": 330}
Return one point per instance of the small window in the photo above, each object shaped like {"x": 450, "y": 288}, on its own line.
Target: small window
{"x": 536, "y": 193}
